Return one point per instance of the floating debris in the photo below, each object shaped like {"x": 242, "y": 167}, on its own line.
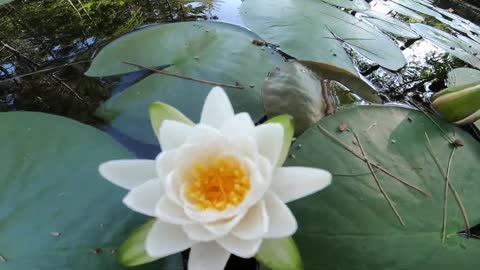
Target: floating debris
{"x": 258, "y": 42}
{"x": 343, "y": 127}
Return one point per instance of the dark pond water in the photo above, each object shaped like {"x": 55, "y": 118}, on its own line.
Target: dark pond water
{"x": 46, "y": 46}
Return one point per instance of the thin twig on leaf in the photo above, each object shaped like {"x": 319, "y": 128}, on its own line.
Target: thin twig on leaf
{"x": 384, "y": 193}
{"x": 346, "y": 147}
{"x": 184, "y": 77}
{"x": 457, "y": 197}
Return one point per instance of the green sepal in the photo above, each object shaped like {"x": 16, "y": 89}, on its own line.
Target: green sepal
{"x": 280, "y": 254}
{"x": 288, "y": 130}
{"x": 132, "y": 251}
{"x": 160, "y": 112}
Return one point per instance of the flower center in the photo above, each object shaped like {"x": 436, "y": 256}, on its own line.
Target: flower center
{"x": 217, "y": 183}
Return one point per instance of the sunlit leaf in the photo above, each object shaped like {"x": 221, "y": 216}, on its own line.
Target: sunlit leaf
{"x": 313, "y": 30}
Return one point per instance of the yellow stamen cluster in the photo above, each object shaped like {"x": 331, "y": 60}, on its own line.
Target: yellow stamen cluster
{"x": 217, "y": 183}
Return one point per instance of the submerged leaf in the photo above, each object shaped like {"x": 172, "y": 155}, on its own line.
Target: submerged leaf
{"x": 305, "y": 90}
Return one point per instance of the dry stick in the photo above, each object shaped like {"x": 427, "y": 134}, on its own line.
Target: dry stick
{"x": 47, "y": 69}
{"x": 346, "y": 147}
{"x": 385, "y": 195}
{"x": 184, "y": 77}
{"x": 457, "y": 197}
{"x": 445, "y": 201}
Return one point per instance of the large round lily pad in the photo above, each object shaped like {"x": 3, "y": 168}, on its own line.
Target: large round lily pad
{"x": 56, "y": 212}
{"x": 350, "y": 225}
{"x": 216, "y": 52}
{"x": 416, "y": 6}
{"x": 403, "y": 10}
{"x": 306, "y": 91}
{"x": 447, "y": 42}
{"x": 389, "y": 24}
{"x": 462, "y": 76}
{"x": 351, "y": 4}
{"x": 316, "y": 31}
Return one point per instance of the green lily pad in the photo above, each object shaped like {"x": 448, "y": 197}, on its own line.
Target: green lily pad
{"x": 447, "y": 42}
{"x": 211, "y": 51}
{"x": 350, "y": 225}
{"x": 417, "y": 7}
{"x": 56, "y": 212}
{"x": 350, "y": 4}
{"x": 296, "y": 25}
{"x": 462, "y": 76}
{"x": 403, "y": 10}
{"x": 389, "y": 24}
{"x": 300, "y": 89}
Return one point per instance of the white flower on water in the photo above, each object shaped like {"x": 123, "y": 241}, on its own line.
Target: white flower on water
{"x": 216, "y": 188}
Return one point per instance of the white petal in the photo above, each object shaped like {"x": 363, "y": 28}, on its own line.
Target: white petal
{"x": 144, "y": 198}
{"x": 198, "y": 232}
{"x": 217, "y": 108}
{"x": 239, "y": 125}
{"x": 128, "y": 173}
{"x": 270, "y": 141}
{"x": 169, "y": 212}
{"x": 254, "y": 224}
{"x": 292, "y": 183}
{"x": 173, "y": 134}
{"x": 165, "y": 163}
{"x": 166, "y": 239}
{"x": 207, "y": 256}
{"x": 282, "y": 223}
{"x": 172, "y": 189}
{"x": 239, "y": 247}
{"x": 223, "y": 227}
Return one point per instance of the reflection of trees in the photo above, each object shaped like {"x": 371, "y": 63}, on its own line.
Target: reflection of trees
{"x": 38, "y": 34}
{"x": 430, "y": 71}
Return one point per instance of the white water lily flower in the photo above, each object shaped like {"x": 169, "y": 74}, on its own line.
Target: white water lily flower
{"x": 216, "y": 188}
